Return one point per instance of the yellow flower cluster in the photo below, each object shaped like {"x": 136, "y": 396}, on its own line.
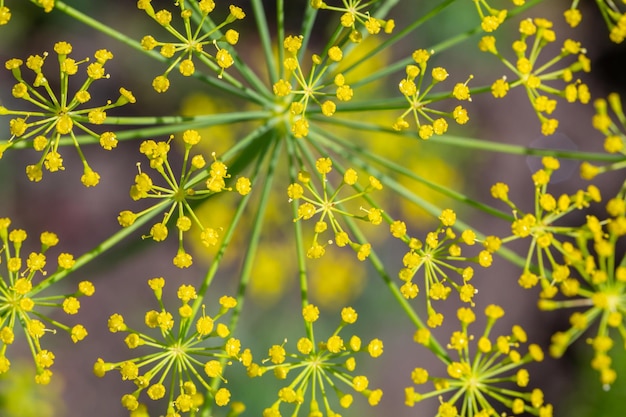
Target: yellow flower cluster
{"x": 181, "y": 353}
{"x": 311, "y": 88}
{"x": 437, "y": 256}
{"x": 594, "y": 281}
{"x": 614, "y": 132}
{"x": 180, "y": 193}
{"x": 541, "y": 226}
{"x": 473, "y": 381}
{"x": 536, "y": 76}
{"x": 59, "y": 115}
{"x": 329, "y": 206}
{"x": 191, "y": 43}
{"x": 418, "y": 99}
{"x": 320, "y": 367}
{"x": 352, "y": 13}
{"x": 23, "y": 304}
{"x": 614, "y": 18}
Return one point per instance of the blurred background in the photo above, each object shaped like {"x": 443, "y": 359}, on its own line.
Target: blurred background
{"x": 84, "y": 217}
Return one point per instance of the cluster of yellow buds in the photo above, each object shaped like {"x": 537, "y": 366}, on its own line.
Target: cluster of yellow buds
{"x": 594, "y": 283}
{"x": 328, "y": 364}
{"x": 418, "y": 99}
{"x": 59, "y": 115}
{"x": 440, "y": 253}
{"x": 22, "y": 302}
{"x": 353, "y": 15}
{"x": 182, "y": 357}
{"x": 191, "y": 43}
{"x": 329, "y": 206}
{"x": 179, "y": 192}
{"x": 310, "y": 88}
{"x": 474, "y": 379}
{"x": 541, "y": 227}
{"x": 535, "y": 76}
{"x": 614, "y": 132}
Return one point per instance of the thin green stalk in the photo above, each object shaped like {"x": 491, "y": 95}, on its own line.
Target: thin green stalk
{"x": 294, "y": 163}
{"x": 264, "y": 35}
{"x": 99, "y": 249}
{"x": 164, "y": 126}
{"x": 255, "y": 235}
{"x": 307, "y": 27}
{"x": 228, "y": 236}
{"x": 474, "y": 143}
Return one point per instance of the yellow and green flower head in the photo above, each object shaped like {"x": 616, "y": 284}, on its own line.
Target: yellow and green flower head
{"x": 317, "y": 368}
{"x": 354, "y": 14}
{"x": 441, "y": 259}
{"x": 592, "y": 281}
{"x": 327, "y": 206}
{"x": 59, "y": 116}
{"x": 190, "y": 41}
{"x": 429, "y": 121}
{"x": 190, "y": 350}
{"x": 488, "y": 370}
{"x": 614, "y": 130}
{"x": 198, "y": 180}
{"x": 22, "y": 303}
{"x": 541, "y": 226}
{"x": 322, "y": 86}
{"x": 538, "y": 75}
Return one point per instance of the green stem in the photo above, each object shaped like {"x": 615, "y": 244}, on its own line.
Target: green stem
{"x": 98, "y": 250}
{"x": 474, "y": 143}
{"x": 266, "y": 41}
{"x": 300, "y": 250}
{"x": 168, "y": 125}
{"x": 255, "y": 235}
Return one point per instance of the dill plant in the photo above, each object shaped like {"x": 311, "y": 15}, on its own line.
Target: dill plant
{"x": 316, "y": 165}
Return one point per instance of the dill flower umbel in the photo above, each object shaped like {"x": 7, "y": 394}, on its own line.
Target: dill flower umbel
{"x": 438, "y": 257}
{"x": 538, "y": 77}
{"x": 191, "y": 43}
{"x": 61, "y": 114}
{"x": 319, "y": 367}
{"x": 329, "y": 206}
{"x": 419, "y": 101}
{"x": 189, "y": 352}
{"x": 23, "y": 304}
{"x": 594, "y": 286}
{"x": 479, "y": 380}
{"x": 180, "y": 192}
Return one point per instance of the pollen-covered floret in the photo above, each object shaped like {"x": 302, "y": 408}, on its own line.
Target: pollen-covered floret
{"x": 328, "y": 206}
{"x": 27, "y": 299}
{"x": 178, "y": 192}
{"x": 427, "y": 120}
{"x": 63, "y": 114}
{"x": 190, "y": 44}
{"x": 314, "y": 369}
{"x": 189, "y": 349}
